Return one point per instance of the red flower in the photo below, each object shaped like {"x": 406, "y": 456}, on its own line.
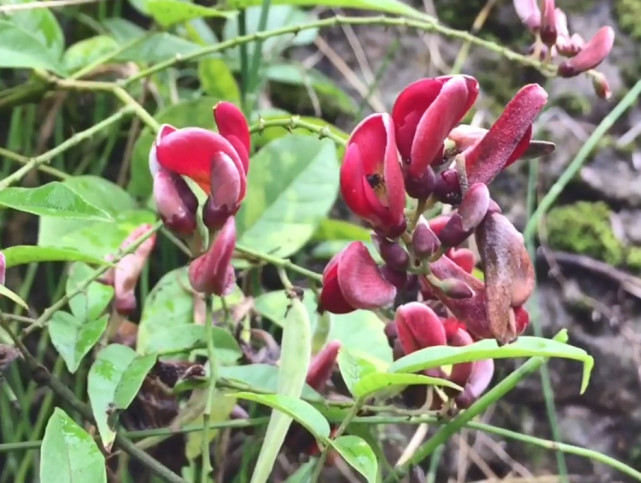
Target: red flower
{"x": 212, "y": 272}
{"x": 425, "y": 112}
{"x": 371, "y": 177}
{"x": 591, "y": 55}
{"x": 351, "y": 280}
{"x": 322, "y": 365}
{"x": 529, "y": 13}
{"x": 479, "y": 379}
{"x": 508, "y": 138}
{"x": 418, "y": 327}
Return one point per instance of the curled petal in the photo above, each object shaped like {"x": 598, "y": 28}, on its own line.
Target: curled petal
{"x": 509, "y": 274}
{"x": 418, "y": 327}
{"x": 463, "y": 257}
{"x": 471, "y": 212}
{"x": 175, "y": 202}
{"x": 529, "y": 13}
{"x": 190, "y": 152}
{"x": 463, "y": 137}
{"x": 425, "y": 243}
{"x": 128, "y": 269}
{"x": 154, "y": 165}
{"x": 322, "y": 365}
{"x": 457, "y": 336}
{"x": 508, "y": 138}
{"x": 479, "y": 380}
{"x": 212, "y": 272}
{"x": 227, "y": 182}
{"x": 331, "y": 297}
{"x": 371, "y": 178}
{"x": 591, "y": 55}
{"x": 232, "y": 125}
{"x": 360, "y": 280}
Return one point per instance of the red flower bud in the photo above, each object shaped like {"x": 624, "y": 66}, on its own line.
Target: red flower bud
{"x": 322, "y": 365}
{"x": 455, "y": 289}
{"x": 212, "y": 272}
{"x": 391, "y": 252}
{"x": 351, "y": 280}
{"x": 478, "y": 381}
{"x": 175, "y": 202}
{"x": 448, "y": 188}
{"x": 418, "y": 327}
{"x": 463, "y": 257}
{"x": 425, "y": 112}
{"x": 128, "y": 270}
{"x": 548, "y": 23}
{"x": 591, "y": 55}
{"x": 371, "y": 178}
{"x": 529, "y": 13}
{"x": 509, "y": 274}
{"x": 508, "y": 138}
{"x": 232, "y": 125}
{"x": 464, "y": 137}
{"x": 601, "y": 86}
{"x": 421, "y": 187}
{"x": 425, "y": 243}
{"x": 470, "y": 213}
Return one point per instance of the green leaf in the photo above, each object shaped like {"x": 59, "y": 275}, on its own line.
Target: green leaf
{"x": 180, "y": 338}
{"x": 388, "y": 6}
{"x": 261, "y": 378}
{"x": 170, "y": 12}
{"x": 87, "y": 51}
{"x": 302, "y": 412}
{"x": 217, "y": 80}
{"x": 41, "y": 23}
{"x": 362, "y": 333}
{"x": 372, "y": 383}
{"x": 68, "y": 454}
{"x": 292, "y": 184}
{"x": 358, "y": 454}
{"x": 524, "y": 346}
{"x": 53, "y": 199}
{"x": 330, "y": 229}
{"x": 21, "y": 254}
{"x": 73, "y": 338}
{"x": 14, "y": 297}
{"x": 113, "y": 381}
{"x": 195, "y": 112}
{"x": 273, "y": 305}
{"x": 22, "y": 49}
{"x": 353, "y": 369}
{"x": 90, "y": 303}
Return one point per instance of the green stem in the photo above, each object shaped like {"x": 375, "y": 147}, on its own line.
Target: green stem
{"x": 25, "y": 160}
{"x": 244, "y": 63}
{"x": 453, "y": 426}
{"x": 61, "y": 148}
{"x": 211, "y": 387}
{"x": 253, "y": 80}
{"x": 423, "y": 25}
{"x": 279, "y": 262}
{"x": 557, "y": 188}
{"x": 295, "y": 122}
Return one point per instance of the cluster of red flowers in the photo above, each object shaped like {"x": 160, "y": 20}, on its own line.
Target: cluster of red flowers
{"x": 421, "y": 151}
{"x": 218, "y": 162}
{"x": 553, "y": 37}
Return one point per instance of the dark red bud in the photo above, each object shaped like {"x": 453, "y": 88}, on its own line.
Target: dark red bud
{"x": 455, "y": 289}
{"x": 215, "y": 217}
{"x": 448, "y": 188}
{"x": 423, "y": 186}
{"x": 322, "y": 365}
{"x": 175, "y": 202}
{"x": 425, "y": 243}
{"x": 548, "y": 23}
{"x": 395, "y": 277}
{"x": 418, "y": 327}
{"x": 391, "y": 252}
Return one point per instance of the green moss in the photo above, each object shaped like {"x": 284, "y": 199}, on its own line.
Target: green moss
{"x": 627, "y": 13}
{"x": 585, "y": 228}
{"x": 633, "y": 259}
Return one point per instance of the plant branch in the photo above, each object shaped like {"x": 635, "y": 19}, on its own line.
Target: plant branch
{"x": 423, "y": 25}
{"x": 279, "y": 262}
{"x": 211, "y": 387}
{"x": 295, "y": 122}
{"x": 19, "y": 158}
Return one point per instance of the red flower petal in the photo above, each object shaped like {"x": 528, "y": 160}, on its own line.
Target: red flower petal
{"x": 360, "y": 281}
{"x": 228, "y": 185}
{"x": 418, "y": 327}
{"x": 190, "y": 151}
{"x": 233, "y": 126}
{"x": 322, "y": 365}
{"x": 479, "y": 380}
{"x": 506, "y": 136}
{"x": 591, "y": 55}
{"x": 331, "y": 298}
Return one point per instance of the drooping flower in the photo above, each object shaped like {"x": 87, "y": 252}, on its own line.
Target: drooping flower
{"x": 425, "y": 112}
{"x": 591, "y": 55}
{"x": 352, "y": 280}
{"x": 212, "y": 272}
{"x": 371, "y": 178}
{"x": 508, "y": 138}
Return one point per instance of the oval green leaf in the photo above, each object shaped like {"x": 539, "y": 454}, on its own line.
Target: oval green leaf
{"x": 91, "y": 302}
{"x": 524, "y": 346}
{"x": 52, "y": 199}
{"x": 68, "y": 454}
{"x": 21, "y": 254}
{"x": 73, "y": 337}
{"x": 358, "y": 455}
{"x": 113, "y": 381}
{"x": 292, "y": 184}
{"x": 353, "y": 369}
{"x": 22, "y": 49}
{"x": 302, "y": 412}
{"x": 217, "y": 80}
{"x": 86, "y": 51}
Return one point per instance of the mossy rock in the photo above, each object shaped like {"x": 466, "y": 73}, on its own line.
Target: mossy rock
{"x": 585, "y": 228}
{"x": 627, "y": 13}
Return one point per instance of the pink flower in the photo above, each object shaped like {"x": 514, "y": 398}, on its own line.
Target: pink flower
{"x": 418, "y": 327}
{"x": 212, "y": 272}
{"x": 371, "y": 178}
{"x": 478, "y": 381}
{"x": 548, "y": 23}
{"x": 425, "y": 112}
{"x": 508, "y": 138}
{"x": 322, "y": 365}
{"x": 591, "y": 55}
{"x": 529, "y": 13}
{"x": 351, "y": 280}
{"x": 470, "y": 213}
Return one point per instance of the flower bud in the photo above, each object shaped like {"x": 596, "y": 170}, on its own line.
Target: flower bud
{"x": 455, "y": 289}
{"x": 470, "y": 213}
{"x": 322, "y": 365}
{"x": 448, "y": 188}
{"x": 421, "y": 187}
{"x": 463, "y": 257}
{"x": 212, "y": 272}
{"x": 391, "y": 252}
{"x": 395, "y": 277}
{"x": 425, "y": 243}
{"x": 601, "y": 86}
{"x": 548, "y": 23}
{"x": 529, "y": 13}
{"x": 176, "y": 203}
{"x": 591, "y": 55}
{"x": 463, "y": 137}
{"x": 418, "y": 327}
{"x": 478, "y": 381}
